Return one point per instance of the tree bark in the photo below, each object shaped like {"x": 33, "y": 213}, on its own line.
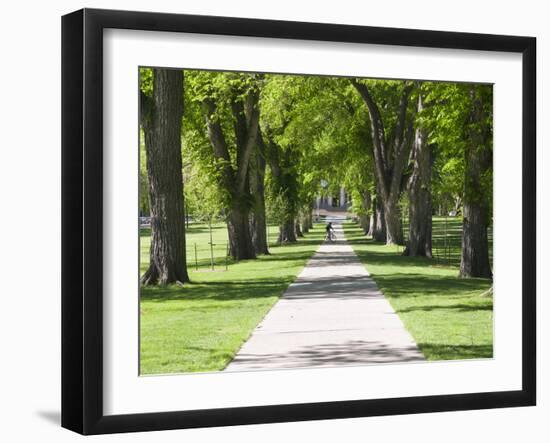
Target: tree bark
{"x": 258, "y": 226}
{"x": 161, "y": 119}
{"x": 234, "y": 175}
{"x": 458, "y": 204}
{"x": 304, "y": 220}
{"x": 379, "y": 229}
{"x": 372, "y": 218}
{"x": 420, "y": 196}
{"x": 285, "y": 183}
{"x": 390, "y": 156}
{"x": 372, "y": 221}
{"x": 364, "y": 222}
{"x": 298, "y": 229}
{"x": 478, "y": 159}
{"x": 240, "y": 239}
{"x": 364, "y": 218}
{"x": 394, "y": 223}
{"x": 287, "y": 232}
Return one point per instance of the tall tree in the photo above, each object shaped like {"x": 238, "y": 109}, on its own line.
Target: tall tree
{"x": 390, "y": 150}
{"x": 240, "y": 94}
{"x": 161, "y": 120}
{"x": 478, "y": 166}
{"x": 280, "y": 97}
{"x": 378, "y": 225}
{"x": 460, "y": 122}
{"x": 420, "y": 195}
{"x": 258, "y": 227}
{"x": 363, "y": 209}
{"x": 284, "y": 184}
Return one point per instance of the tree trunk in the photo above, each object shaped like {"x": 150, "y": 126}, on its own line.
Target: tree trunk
{"x": 285, "y": 183}
{"x": 458, "y": 204}
{"x": 390, "y": 155}
{"x": 298, "y": 229}
{"x": 287, "y": 232}
{"x": 258, "y": 226}
{"x": 379, "y": 228}
{"x": 364, "y": 222}
{"x": 373, "y": 214}
{"x": 304, "y": 220}
{"x": 475, "y": 245}
{"x": 372, "y": 221}
{"x": 234, "y": 175}
{"x": 420, "y": 196}
{"x": 478, "y": 159}
{"x": 364, "y": 219}
{"x": 258, "y": 232}
{"x": 238, "y": 229}
{"x": 394, "y": 223}
{"x": 240, "y": 240}
{"x": 161, "y": 118}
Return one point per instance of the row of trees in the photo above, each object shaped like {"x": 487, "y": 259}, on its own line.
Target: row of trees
{"x": 253, "y": 147}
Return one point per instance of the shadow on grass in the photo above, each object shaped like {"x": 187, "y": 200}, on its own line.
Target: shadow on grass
{"x": 393, "y": 259}
{"x": 350, "y": 287}
{"x": 309, "y": 240}
{"x": 405, "y": 284}
{"x": 455, "y": 352}
{"x": 326, "y": 258}
{"x": 274, "y": 256}
{"x": 461, "y": 307}
{"x": 221, "y": 291}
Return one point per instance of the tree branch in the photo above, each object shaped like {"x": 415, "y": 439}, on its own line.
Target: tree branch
{"x": 252, "y": 114}
{"x": 401, "y": 158}
{"x": 218, "y": 142}
{"x": 400, "y": 128}
{"x": 239, "y": 124}
{"x": 378, "y": 137}
{"x": 271, "y": 152}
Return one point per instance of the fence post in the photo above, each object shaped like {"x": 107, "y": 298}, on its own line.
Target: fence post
{"x": 196, "y": 262}
{"x": 226, "y": 254}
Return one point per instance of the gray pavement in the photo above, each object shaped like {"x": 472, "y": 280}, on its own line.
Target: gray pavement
{"x": 332, "y": 315}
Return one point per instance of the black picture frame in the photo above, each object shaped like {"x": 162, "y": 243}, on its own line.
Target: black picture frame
{"x": 82, "y": 218}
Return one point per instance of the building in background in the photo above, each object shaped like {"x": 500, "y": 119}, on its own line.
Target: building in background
{"x": 339, "y": 201}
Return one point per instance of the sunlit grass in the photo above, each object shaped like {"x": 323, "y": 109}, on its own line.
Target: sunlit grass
{"x": 199, "y": 253}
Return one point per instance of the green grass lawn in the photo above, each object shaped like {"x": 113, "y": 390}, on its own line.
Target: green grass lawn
{"x": 200, "y": 326}
{"x": 198, "y": 241}
{"x": 445, "y": 314}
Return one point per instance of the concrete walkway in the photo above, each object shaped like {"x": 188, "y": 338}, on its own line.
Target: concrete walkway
{"x": 332, "y": 315}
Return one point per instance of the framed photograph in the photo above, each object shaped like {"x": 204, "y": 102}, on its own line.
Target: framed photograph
{"x": 269, "y": 221}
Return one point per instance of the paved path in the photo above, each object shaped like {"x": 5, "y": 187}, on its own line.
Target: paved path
{"x": 332, "y": 315}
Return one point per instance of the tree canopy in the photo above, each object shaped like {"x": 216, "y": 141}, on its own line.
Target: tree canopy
{"x": 263, "y": 148}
